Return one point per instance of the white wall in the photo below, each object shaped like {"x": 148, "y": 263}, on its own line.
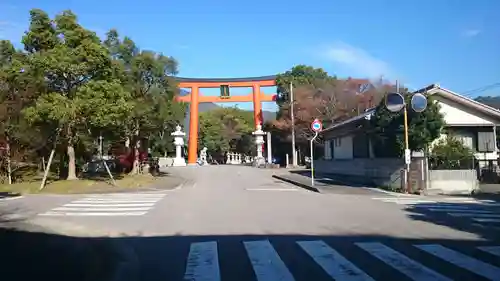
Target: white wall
{"x": 458, "y": 116}
{"x": 342, "y": 147}
{"x": 455, "y": 115}
{"x": 452, "y": 181}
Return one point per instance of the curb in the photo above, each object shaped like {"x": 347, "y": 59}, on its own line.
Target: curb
{"x": 305, "y": 186}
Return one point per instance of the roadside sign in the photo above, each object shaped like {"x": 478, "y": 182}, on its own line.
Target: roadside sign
{"x": 407, "y": 156}
{"x": 312, "y": 153}
{"x": 316, "y": 125}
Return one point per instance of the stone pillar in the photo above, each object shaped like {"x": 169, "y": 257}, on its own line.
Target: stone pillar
{"x": 179, "y": 144}
{"x": 269, "y": 151}
{"x": 259, "y": 141}
{"x": 228, "y": 160}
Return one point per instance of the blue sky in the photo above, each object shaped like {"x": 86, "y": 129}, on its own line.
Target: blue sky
{"x": 454, "y": 43}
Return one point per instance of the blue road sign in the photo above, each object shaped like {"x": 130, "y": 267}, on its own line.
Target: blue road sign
{"x": 316, "y": 125}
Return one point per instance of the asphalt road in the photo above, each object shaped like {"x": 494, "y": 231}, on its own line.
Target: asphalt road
{"x": 238, "y": 223}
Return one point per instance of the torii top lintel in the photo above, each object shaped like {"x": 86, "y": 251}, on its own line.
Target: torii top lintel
{"x": 262, "y": 81}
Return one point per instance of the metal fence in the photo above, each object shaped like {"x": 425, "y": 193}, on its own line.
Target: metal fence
{"x": 488, "y": 171}
{"x": 446, "y": 163}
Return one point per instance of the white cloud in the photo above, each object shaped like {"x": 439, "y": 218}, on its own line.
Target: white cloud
{"x": 471, "y": 32}
{"x": 357, "y": 60}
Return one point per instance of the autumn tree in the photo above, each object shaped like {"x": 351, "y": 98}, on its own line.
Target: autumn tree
{"x": 319, "y": 95}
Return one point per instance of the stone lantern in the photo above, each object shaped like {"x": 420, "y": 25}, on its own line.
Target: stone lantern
{"x": 179, "y": 144}
{"x": 259, "y": 141}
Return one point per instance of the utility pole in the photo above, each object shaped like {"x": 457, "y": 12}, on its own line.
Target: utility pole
{"x": 407, "y": 146}
{"x": 294, "y": 153}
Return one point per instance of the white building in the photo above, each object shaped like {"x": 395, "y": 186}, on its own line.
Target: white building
{"x": 349, "y": 150}
{"x": 472, "y": 122}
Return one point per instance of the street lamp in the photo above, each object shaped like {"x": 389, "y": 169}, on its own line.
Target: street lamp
{"x": 395, "y": 102}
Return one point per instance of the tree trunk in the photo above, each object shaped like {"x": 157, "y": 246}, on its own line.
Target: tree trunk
{"x": 135, "y": 164}
{"x": 9, "y": 165}
{"x": 71, "y": 163}
{"x": 46, "y": 173}
{"x": 127, "y": 143}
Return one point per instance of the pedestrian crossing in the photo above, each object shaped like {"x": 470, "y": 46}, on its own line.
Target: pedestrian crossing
{"x": 479, "y": 211}
{"x": 108, "y": 205}
{"x": 412, "y": 200}
{"x": 268, "y": 264}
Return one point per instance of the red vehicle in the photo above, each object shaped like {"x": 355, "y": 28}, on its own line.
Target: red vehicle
{"x": 126, "y": 160}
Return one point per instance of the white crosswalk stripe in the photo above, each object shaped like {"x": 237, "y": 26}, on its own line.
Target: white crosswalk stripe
{"x": 479, "y": 211}
{"x": 333, "y": 263}
{"x": 486, "y": 270}
{"x": 494, "y": 250}
{"x": 402, "y": 263}
{"x": 108, "y": 205}
{"x": 266, "y": 262}
{"x": 203, "y": 261}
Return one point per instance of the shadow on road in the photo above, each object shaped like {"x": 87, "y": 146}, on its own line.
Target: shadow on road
{"x": 480, "y": 219}
{"x": 39, "y": 256}
{"x": 331, "y": 179}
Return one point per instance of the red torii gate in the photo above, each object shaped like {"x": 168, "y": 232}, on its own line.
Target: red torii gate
{"x": 194, "y": 98}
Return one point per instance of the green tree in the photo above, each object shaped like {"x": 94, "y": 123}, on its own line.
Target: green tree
{"x": 149, "y": 80}
{"x": 301, "y": 75}
{"x": 387, "y": 128}
{"x": 42, "y": 35}
{"x": 212, "y": 134}
{"x": 163, "y": 116}
{"x": 71, "y": 67}
{"x": 147, "y": 75}
{"x": 451, "y": 153}
{"x": 226, "y": 129}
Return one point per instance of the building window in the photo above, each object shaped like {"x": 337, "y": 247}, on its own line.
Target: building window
{"x": 467, "y": 141}
{"x": 338, "y": 142}
{"x": 332, "y": 148}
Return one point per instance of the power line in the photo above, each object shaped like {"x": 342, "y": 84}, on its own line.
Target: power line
{"x": 469, "y": 93}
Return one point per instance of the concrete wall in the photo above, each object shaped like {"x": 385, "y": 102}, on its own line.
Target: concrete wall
{"x": 375, "y": 172}
{"x": 452, "y": 181}
{"x": 342, "y": 147}
{"x": 165, "y": 161}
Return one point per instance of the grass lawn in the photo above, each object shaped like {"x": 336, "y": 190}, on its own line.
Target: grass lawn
{"x": 98, "y": 185}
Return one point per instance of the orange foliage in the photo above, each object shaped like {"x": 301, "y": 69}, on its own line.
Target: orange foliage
{"x": 330, "y": 102}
